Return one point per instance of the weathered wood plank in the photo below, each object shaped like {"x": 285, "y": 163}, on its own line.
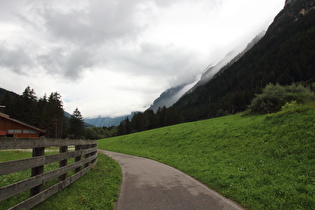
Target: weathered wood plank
{"x": 19, "y": 143}
{"x": 20, "y": 165}
{"x": 55, "y": 173}
{"x": 23, "y": 164}
{"x": 19, "y": 187}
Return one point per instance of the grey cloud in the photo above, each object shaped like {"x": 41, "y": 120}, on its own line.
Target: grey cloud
{"x": 69, "y": 65}
{"x": 78, "y": 62}
{"x": 99, "y": 22}
{"x": 76, "y": 34}
{"x": 90, "y": 30}
{"x": 159, "y": 61}
{"x": 19, "y": 12}
{"x": 168, "y": 3}
{"x": 9, "y": 8}
{"x": 72, "y": 36}
{"x": 18, "y": 60}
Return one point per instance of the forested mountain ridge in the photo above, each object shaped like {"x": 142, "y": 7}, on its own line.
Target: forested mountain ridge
{"x": 167, "y": 98}
{"x": 10, "y": 94}
{"x": 225, "y": 63}
{"x": 284, "y": 55}
{"x": 172, "y": 95}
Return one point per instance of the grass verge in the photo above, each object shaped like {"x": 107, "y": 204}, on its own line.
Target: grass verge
{"x": 262, "y": 162}
{"x": 98, "y": 189}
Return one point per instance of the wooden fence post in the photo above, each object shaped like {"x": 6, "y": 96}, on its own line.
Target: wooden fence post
{"x": 62, "y": 163}
{"x": 78, "y": 158}
{"x": 94, "y": 145}
{"x": 87, "y": 155}
{"x": 39, "y": 151}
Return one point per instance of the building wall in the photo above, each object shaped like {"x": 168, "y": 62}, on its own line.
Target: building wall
{"x": 17, "y": 130}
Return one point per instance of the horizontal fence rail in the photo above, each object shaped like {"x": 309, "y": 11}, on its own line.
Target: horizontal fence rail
{"x": 85, "y": 157}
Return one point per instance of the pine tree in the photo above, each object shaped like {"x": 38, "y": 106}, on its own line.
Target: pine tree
{"x": 28, "y": 105}
{"x": 56, "y": 116}
{"x": 29, "y": 93}
{"x": 76, "y": 125}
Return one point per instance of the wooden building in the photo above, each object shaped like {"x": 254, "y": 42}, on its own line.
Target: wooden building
{"x": 13, "y": 128}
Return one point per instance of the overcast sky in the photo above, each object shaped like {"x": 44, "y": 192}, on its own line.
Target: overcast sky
{"x": 111, "y": 57}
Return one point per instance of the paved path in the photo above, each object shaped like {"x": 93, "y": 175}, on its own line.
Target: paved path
{"x": 148, "y": 185}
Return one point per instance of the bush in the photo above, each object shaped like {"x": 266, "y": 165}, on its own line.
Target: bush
{"x": 274, "y": 97}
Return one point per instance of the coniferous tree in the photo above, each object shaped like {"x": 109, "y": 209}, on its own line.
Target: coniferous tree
{"x": 29, "y": 94}
{"x": 127, "y": 125}
{"x": 76, "y": 125}
{"x": 44, "y": 116}
{"x": 55, "y": 111}
{"x": 27, "y": 108}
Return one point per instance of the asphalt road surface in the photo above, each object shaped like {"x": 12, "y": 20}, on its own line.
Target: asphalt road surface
{"x": 148, "y": 184}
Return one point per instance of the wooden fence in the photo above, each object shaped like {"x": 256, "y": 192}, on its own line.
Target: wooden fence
{"x": 84, "y": 154}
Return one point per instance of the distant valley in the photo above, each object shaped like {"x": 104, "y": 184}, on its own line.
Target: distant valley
{"x": 107, "y": 121}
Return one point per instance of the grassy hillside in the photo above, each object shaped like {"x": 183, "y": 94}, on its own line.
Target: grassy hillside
{"x": 262, "y": 162}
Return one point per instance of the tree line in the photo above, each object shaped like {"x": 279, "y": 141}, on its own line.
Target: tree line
{"x": 147, "y": 120}
{"x": 46, "y": 113}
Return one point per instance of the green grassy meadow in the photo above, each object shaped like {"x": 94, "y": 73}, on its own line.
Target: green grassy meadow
{"x": 262, "y": 161}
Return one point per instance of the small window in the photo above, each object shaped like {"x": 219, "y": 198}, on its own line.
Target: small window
{"x": 29, "y": 131}
{"x": 14, "y": 131}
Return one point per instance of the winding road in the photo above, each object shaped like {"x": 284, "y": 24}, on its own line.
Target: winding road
{"x": 148, "y": 184}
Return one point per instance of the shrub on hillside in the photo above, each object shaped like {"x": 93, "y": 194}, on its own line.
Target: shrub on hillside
{"x": 274, "y": 97}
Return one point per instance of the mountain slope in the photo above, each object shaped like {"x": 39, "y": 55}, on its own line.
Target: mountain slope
{"x": 3, "y": 92}
{"x": 167, "y": 98}
{"x": 229, "y": 59}
{"x": 284, "y": 55}
{"x": 172, "y": 95}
